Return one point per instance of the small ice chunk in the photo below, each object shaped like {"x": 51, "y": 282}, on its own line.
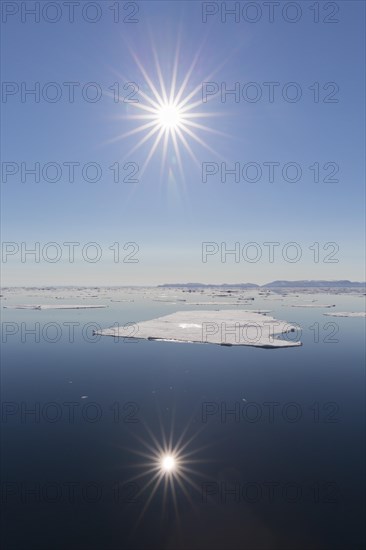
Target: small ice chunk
{"x": 346, "y": 314}
{"x": 312, "y": 305}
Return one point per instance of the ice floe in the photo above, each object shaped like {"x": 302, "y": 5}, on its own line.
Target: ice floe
{"x": 225, "y": 327}
{"x": 212, "y": 303}
{"x": 312, "y": 305}
{"x": 346, "y": 314}
{"x": 55, "y": 306}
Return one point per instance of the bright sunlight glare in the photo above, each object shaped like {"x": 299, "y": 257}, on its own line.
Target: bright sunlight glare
{"x": 168, "y": 463}
{"x": 169, "y": 117}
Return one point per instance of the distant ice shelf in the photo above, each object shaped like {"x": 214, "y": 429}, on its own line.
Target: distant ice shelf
{"x": 54, "y": 306}
{"x": 346, "y": 314}
{"x": 225, "y": 327}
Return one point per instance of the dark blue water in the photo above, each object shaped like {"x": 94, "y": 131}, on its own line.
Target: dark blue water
{"x": 276, "y": 435}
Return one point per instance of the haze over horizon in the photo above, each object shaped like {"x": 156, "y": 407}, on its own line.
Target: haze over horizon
{"x": 310, "y": 283}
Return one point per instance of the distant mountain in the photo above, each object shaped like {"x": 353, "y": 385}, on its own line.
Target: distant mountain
{"x": 202, "y": 285}
{"x": 314, "y": 284}
{"x": 273, "y": 284}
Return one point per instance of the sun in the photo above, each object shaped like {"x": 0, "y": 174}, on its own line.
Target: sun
{"x": 169, "y": 117}
{"x": 169, "y": 113}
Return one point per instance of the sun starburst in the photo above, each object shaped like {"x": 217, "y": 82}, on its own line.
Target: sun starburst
{"x": 169, "y": 116}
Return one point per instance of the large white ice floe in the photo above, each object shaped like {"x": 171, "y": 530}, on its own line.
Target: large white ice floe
{"x": 54, "y": 306}
{"x": 225, "y": 327}
{"x": 346, "y": 314}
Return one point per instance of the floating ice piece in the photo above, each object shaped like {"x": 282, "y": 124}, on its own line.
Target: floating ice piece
{"x": 54, "y": 306}
{"x": 225, "y": 327}
{"x": 346, "y": 314}
{"x": 214, "y": 303}
{"x": 22, "y": 307}
{"x": 312, "y": 305}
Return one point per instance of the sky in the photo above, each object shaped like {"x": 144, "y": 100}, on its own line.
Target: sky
{"x": 161, "y": 219}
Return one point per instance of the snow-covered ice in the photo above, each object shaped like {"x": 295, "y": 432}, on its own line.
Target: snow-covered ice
{"x": 312, "y": 305}
{"x": 55, "y": 306}
{"x": 225, "y": 327}
{"x": 212, "y": 303}
{"x": 346, "y": 314}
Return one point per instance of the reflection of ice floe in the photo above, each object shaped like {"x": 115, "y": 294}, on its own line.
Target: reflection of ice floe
{"x": 346, "y": 314}
{"x": 225, "y": 327}
{"x": 54, "y": 306}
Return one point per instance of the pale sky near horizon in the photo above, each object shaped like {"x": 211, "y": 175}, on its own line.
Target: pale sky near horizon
{"x": 169, "y": 211}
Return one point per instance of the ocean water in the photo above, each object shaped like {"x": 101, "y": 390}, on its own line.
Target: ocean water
{"x": 274, "y": 437}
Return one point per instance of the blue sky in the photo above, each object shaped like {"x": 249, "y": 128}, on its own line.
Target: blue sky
{"x": 169, "y": 214}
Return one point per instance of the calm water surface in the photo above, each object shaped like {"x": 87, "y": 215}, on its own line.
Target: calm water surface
{"x": 276, "y": 436}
